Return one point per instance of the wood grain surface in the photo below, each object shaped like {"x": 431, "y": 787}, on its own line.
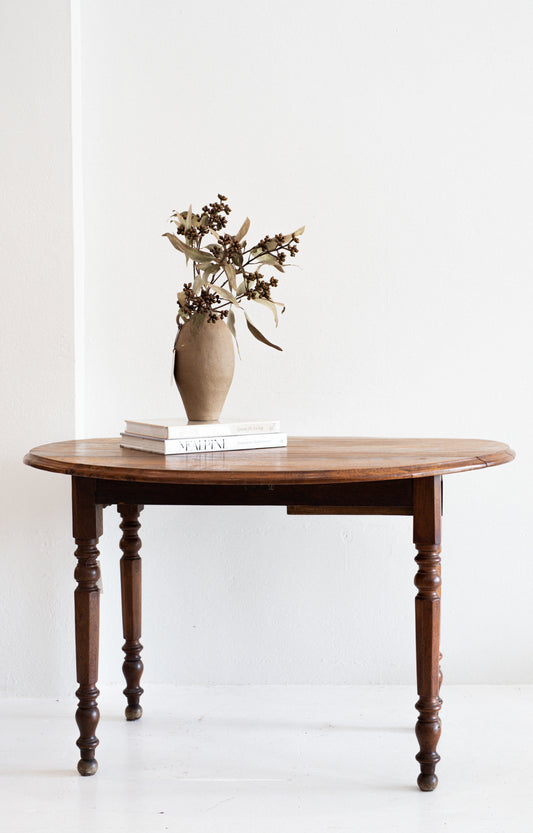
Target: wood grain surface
{"x": 305, "y": 459}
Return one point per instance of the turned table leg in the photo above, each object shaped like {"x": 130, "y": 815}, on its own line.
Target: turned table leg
{"x": 130, "y": 578}
{"x": 87, "y": 528}
{"x": 427, "y": 539}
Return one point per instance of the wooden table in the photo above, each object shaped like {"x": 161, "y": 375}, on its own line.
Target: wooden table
{"x": 313, "y": 475}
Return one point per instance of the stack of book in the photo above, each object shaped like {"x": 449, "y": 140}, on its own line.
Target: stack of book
{"x": 177, "y": 436}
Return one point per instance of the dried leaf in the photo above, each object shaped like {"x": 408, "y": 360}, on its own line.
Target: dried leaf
{"x": 297, "y": 233}
{"x": 230, "y": 321}
{"x": 209, "y": 270}
{"x": 227, "y": 295}
{"x": 270, "y": 246}
{"x": 195, "y": 254}
{"x": 188, "y": 219}
{"x": 243, "y": 231}
{"x": 229, "y": 269}
{"x": 254, "y": 331}
{"x": 271, "y": 306}
{"x": 176, "y": 242}
{"x": 259, "y": 336}
{"x": 199, "y": 255}
{"x": 178, "y": 218}
{"x": 271, "y": 261}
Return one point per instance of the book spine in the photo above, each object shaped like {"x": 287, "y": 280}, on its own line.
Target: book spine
{"x": 199, "y": 445}
{"x": 185, "y": 432}
{"x": 159, "y": 432}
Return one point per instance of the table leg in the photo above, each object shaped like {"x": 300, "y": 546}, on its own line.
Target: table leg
{"x": 87, "y": 528}
{"x": 130, "y": 577}
{"x": 427, "y": 539}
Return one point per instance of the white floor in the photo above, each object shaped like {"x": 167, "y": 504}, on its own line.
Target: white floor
{"x": 272, "y": 759}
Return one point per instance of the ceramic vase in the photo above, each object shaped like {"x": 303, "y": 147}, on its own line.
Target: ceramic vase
{"x": 204, "y": 362}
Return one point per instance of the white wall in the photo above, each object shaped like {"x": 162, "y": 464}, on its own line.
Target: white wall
{"x": 36, "y": 345}
{"x": 400, "y": 134}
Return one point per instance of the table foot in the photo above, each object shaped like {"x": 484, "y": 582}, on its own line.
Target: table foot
{"x": 131, "y": 584}
{"x": 427, "y": 783}
{"x": 87, "y": 717}
{"x": 428, "y": 730}
{"x": 133, "y": 712}
{"x": 88, "y": 767}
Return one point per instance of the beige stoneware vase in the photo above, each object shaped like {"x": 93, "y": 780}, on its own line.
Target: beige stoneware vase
{"x": 204, "y": 362}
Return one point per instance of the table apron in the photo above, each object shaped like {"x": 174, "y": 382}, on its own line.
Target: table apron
{"x": 375, "y": 497}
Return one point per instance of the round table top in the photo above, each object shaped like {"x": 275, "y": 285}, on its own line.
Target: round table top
{"x": 305, "y": 460}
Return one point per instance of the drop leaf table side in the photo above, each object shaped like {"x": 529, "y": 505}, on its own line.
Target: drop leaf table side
{"x": 312, "y": 475}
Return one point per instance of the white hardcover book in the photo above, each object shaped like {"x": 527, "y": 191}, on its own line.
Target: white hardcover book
{"x": 199, "y": 445}
{"x": 179, "y": 428}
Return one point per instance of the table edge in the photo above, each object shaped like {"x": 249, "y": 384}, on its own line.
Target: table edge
{"x": 99, "y": 472}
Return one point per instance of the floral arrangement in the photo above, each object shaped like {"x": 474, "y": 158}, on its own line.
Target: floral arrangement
{"x": 227, "y": 271}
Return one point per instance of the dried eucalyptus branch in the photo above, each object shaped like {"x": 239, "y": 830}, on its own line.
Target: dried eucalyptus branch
{"x": 226, "y": 272}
